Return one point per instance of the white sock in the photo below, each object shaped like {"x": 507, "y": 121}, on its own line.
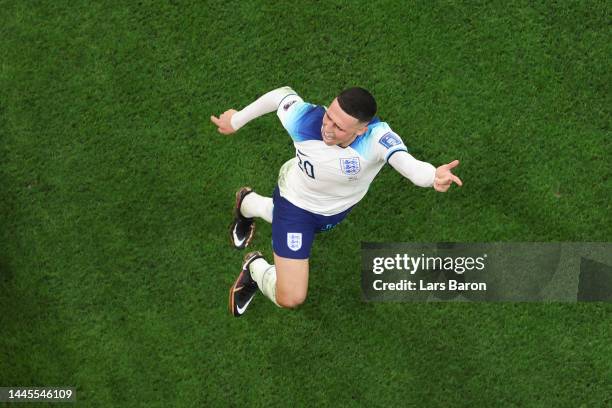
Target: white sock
{"x": 265, "y": 275}
{"x": 254, "y": 205}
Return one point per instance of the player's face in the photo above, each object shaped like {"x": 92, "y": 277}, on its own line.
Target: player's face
{"x": 340, "y": 128}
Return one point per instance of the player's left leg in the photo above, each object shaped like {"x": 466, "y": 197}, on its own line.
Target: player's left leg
{"x": 291, "y": 281}
{"x": 244, "y": 288}
{"x": 285, "y": 283}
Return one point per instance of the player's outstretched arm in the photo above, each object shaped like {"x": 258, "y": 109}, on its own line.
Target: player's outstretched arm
{"x": 444, "y": 177}
{"x": 231, "y": 120}
{"x": 419, "y": 172}
{"x": 224, "y": 122}
{"x": 424, "y": 174}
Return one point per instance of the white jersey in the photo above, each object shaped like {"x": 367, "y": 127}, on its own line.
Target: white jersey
{"x": 326, "y": 179}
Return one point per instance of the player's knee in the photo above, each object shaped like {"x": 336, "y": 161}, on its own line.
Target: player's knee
{"x": 290, "y": 299}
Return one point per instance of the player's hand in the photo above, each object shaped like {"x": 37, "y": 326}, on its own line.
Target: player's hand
{"x": 224, "y": 122}
{"x": 444, "y": 177}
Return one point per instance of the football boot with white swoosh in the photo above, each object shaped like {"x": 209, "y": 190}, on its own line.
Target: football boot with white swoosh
{"x": 242, "y": 229}
{"x": 244, "y": 288}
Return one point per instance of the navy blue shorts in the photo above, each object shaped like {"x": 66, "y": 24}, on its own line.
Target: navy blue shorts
{"x": 293, "y": 228}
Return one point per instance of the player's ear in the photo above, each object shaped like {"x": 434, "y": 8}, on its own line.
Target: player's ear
{"x": 363, "y": 129}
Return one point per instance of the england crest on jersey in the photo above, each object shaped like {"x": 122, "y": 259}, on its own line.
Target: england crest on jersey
{"x": 294, "y": 240}
{"x": 350, "y": 166}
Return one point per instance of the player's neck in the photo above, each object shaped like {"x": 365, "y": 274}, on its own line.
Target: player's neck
{"x": 347, "y": 144}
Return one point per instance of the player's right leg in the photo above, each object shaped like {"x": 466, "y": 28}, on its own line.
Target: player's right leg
{"x": 248, "y": 205}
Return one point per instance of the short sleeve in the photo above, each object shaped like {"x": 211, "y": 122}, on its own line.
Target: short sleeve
{"x": 387, "y": 142}
{"x": 288, "y": 109}
{"x": 302, "y": 120}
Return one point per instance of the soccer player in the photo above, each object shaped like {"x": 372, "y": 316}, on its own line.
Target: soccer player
{"x": 338, "y": 152}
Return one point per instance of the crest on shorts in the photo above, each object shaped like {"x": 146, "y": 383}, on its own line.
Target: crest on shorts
{"x": 294, "y": 240}
{"x": 350, "y": 166}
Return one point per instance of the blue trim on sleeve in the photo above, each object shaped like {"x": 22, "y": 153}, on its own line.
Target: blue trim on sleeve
{"x": 393, "y": 152}
{"x": 284, "y": 97}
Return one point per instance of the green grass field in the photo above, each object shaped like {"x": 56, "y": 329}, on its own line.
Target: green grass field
{"x": 116, "y": 192}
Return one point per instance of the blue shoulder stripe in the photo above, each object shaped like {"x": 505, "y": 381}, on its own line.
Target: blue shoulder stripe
{"x": 362, "y": 144}
{"x": 306, "y": 123}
